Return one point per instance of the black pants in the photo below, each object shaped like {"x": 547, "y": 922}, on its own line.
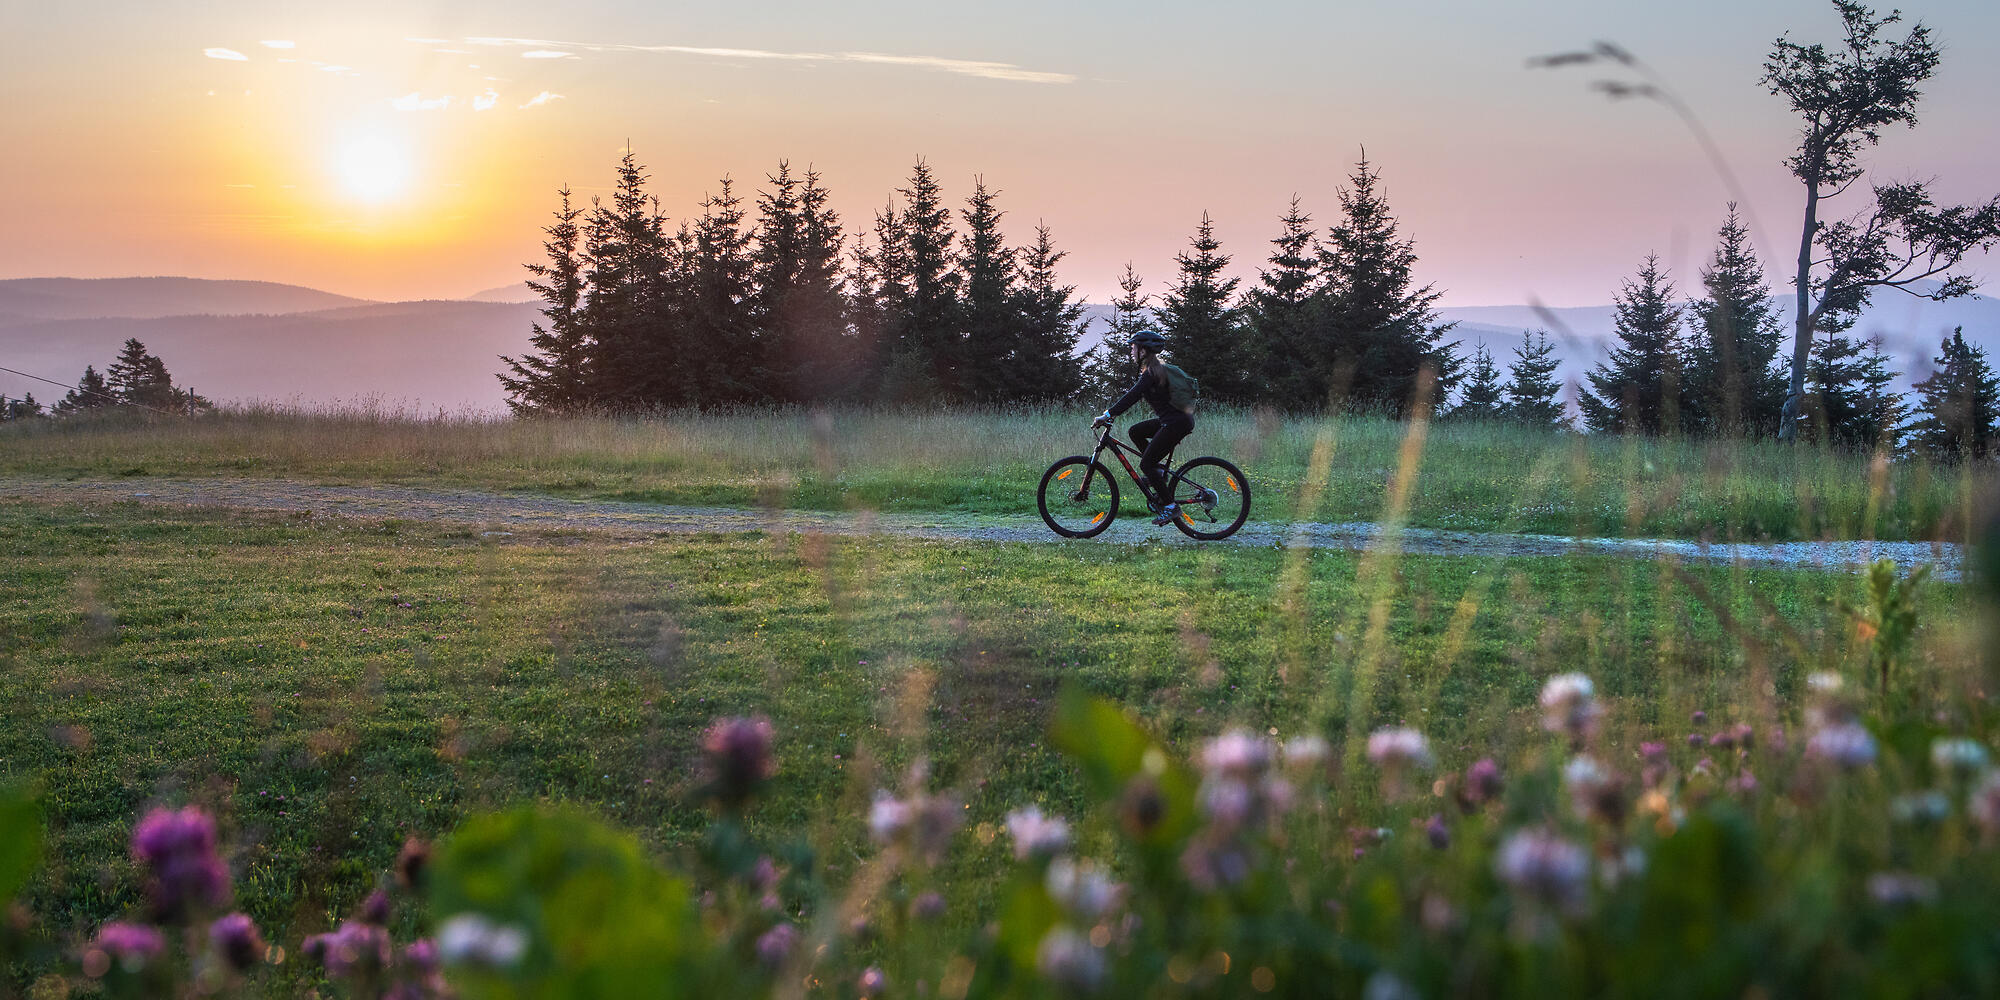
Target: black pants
{"x": 1156, "y": 438}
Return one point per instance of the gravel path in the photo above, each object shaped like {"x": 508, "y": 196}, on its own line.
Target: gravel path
{"x": 499, "y": 513}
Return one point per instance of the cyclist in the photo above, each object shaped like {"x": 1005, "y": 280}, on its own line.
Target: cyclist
{"x": 1157, "y": 437}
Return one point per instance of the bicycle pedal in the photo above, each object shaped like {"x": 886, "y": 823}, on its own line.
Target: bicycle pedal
{"x": 1166, "y": 516}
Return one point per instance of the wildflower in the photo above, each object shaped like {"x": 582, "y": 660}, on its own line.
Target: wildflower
{"x": 1745, "y": 735}
{"x": 1083, "y": 888}
{"x": 1439, "y": 834}
{"x": 1654, "y": 764}
{"x": 1569, "y": 705}
{"x": 737, "y": 755}
{"x": 411, "y": 862}
{"x": 776, "y": 944}
{"x": 352, "y": 949}
{"x": 1398, "y": 747}
{"x": 1724, "y": 740}
{"x": 235, "y": 938}
{"x": 1036, "y": 835}
{"x": 1959, "y": 757}
{"x": 375, "y": 909}
{"x": 1483, "y": 782}
{"x": 1541, "y": 865}
{"x": 131, "y": 945}
{"x": 1212, "y": 864}
{"x": 936, "y": 818}
{"x": 1745, "y": 783}
{"x": 1306, "y": 753}
{"x": 1696, "y": 741}
{"x": 421, "y": 956}
{"x": 1900, "y": 888}
{"x": 1236, "y": 752}
{"x": 1699, "y": 717}
{"x": 471, "y": 939}
{"x": 927, "y": 906}
{"x": 1068, "y": 959}
{"x": 1227, "y": 801}
{"x": 178, "y": 849}
{"x": 1984, "y": 803}
{"x": 1920, "y": 808}
{"x": 872, "y": 981}
{"x": 887, "y": 817}
{"x": 1595, "y": 792}
{"x": 1847, "y": 745}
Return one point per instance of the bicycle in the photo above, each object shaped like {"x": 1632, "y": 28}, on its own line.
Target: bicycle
{"x": 1211, "y": 497}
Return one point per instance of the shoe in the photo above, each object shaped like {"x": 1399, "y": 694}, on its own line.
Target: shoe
{"x": 1166, "y": 516}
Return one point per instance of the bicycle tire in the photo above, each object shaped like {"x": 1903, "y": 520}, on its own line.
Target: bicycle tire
{"x": 1212, "y": 498}
{"x": 1075, "y": 513}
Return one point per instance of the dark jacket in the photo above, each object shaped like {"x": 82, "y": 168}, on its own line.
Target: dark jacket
{"x": 1154, "y": 391}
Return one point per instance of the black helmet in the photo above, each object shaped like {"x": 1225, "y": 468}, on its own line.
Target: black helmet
{"x": 1149, "y": 340}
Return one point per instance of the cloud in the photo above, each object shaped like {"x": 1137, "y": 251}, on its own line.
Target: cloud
{"x": 429, "y": 41}
{"x": 413, "y": 101}
{"x": 453, "y": 52}
{"x": 486, "y": 101}
{"x": 542, "y": 48}
{"x": 278, "y": 43}
{"x": 230, "y": 55}
{"x": 540, "y": 99}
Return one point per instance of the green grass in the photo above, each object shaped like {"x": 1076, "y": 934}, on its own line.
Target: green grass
{"x": 328, "y": 688}
{"x": 1472, "y": 477}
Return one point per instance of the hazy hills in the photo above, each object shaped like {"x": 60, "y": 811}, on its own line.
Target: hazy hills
{"x": 254, "y": 340}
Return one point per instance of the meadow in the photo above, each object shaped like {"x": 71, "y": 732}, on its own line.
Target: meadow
{"x": 328, "y": 689}
{"x": 1490, "y": 477}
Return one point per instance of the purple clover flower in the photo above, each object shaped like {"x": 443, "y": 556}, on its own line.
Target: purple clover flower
{"x": 132, "y": 945}
{"x": 178, "y": 849}
{"x": 737, "y": 754}
{"x": 776, "y": 944}
{"x": 235, "y": 938}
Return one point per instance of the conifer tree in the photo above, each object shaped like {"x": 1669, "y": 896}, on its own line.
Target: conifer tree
{"x": 1107, "y": 367}
{"x": 1281, "y": 321}
{"x": 1734, "y": 385}
{"x": 555, "y": 376}
{"x": 1534, "y": 396}
{"x": 139, "y": 378}
{"x": 1379, "y": 325}
{"x": 91, "y": 392}
{"x": 1958, "y": 406}
{"x": 1481, "y": 399}
{"x": 1637, "y": 389}
{"x": 993, "y": 344}
{"x": 925, "y": 330}
{"x": 1046, "y": 366}
{"x": 1850, "y": 401}
{"x": 881, "y": 296}
{"x": 628, "y": 311}
{"x": 24, "y": 408}
{"x": 1203, "y": 331}
{"x": 724, "y": 362}
{"x": 800, "y": 303}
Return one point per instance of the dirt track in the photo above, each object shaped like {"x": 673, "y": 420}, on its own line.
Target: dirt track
{"x": 505, "y": 512}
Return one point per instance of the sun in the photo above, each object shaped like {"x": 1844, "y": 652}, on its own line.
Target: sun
{"x": 373, "y": 169}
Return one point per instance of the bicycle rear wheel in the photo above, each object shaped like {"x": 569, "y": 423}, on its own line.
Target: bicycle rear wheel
{"x": 1078, "y": 497}
{"x": 1212, "y": 498}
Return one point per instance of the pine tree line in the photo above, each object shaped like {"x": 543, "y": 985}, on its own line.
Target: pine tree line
{"x": 137, "y": 378}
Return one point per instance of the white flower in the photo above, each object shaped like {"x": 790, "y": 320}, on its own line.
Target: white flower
{"x": 1847, "y": 745}
{"x": 888, "y": 817}
{"x": 1034, "y": 833}
{"x": 1569, "y": 705}
{"x": 1398, "y": 747}
{"x": 471, "y": 939}
{"x": 1958, "y": 756}
{"x": 1591, "y": 787}
{"x": 1068, "y": 958}
{"x": 1082, "y": 888}
{"x": 1540, "y": 864}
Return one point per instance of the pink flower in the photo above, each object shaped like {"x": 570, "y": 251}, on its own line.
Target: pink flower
{"x": 737, "y": 756}
{"x": 872, "y": 981}
{"x": 132, "y": 945}
{"x": 776, "y": 944}
{"x": 1034, "y": 834}
{"x": 1543, "y": 866}
{"x": 1569, "y": 705}
{"x": 1398, "y": 747}
{"x": 1483, "y": 782}
{"x": 235, "y": 938}
{"x": 178, "y": 849}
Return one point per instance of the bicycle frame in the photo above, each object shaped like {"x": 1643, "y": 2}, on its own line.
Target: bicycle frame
{"x": 1119, "y": 448}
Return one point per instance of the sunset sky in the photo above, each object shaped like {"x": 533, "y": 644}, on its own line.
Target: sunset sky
{"x": 412, "y": 149}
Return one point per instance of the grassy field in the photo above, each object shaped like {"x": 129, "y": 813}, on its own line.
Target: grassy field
{"x": 1470, "y": 477}
{"x": 328, "y": 688}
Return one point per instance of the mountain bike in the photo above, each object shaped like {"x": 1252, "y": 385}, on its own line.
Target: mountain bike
{"x": 1079, "y": 498}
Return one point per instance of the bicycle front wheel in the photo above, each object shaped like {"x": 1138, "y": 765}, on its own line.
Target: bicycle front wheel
{"x": 1078, "y": 497}
{"x": 1212, "y": 498}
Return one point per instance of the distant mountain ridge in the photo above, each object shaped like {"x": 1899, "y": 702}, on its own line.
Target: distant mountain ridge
{"x": 141, "y": 298}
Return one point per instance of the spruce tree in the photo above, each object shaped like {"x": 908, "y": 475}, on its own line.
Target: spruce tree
{"x": 1958, "y": 405}
{"x": 1637, "y": 389}
{"x": 628, "y": 309}
{"x": 24, "y": 408}
{"x": 1046, "y": 366}
{"x": 1380, "y": 328}
{"x": 91, "y": 392}
{"x": 1534, "y": 396}
{"x": 926, "y": 332}
{"x": 1204, "y": 334}
{"x": 555, "y": 376}
{"x": 1481, "y": 399}
{"x": 1850, "y": 401}
{"x": 993, "y": 345}
{"x": 725, "y": 361}
{"x": 800, "y": 304}
{"x": 139, "y": 378}
{"x": 1280, "y": 318}
{"x": 1107, "y": 367}
{"x": 881, "y": 296}
{"x": 1734, "y": 383}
